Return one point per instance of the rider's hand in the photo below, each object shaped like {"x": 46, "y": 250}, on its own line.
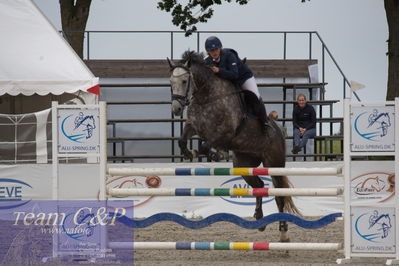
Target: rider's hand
{"x": 215, "y": 69}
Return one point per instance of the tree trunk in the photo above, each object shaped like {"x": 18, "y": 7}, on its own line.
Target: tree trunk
{"x": 74, "y": 19}
{"x": 392, "y": 13}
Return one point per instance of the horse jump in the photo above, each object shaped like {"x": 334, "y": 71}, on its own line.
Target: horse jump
{"x": 121, "y": 192}
{"x": 224, "y": 246}
{"x": 243, "y": 192}
{"x": 225, "y": 171}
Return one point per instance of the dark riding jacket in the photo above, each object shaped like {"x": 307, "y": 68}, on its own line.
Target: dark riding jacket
{"x": 304, "y": 117}
{"x": 230, "y": 66}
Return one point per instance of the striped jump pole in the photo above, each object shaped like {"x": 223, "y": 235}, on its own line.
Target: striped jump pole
{"x": 124, "y": 192}
{"x": 223, "y": 246}
{"x": 224, "y": 171}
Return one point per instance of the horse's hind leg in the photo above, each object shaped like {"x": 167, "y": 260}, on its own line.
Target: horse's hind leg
{"x": 283, "y": 225}
{"x": 280, "y": 201}
{"x": 248, "y": 160}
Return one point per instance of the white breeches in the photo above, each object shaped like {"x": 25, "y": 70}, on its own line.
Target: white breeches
{"x": 250, "y": 85}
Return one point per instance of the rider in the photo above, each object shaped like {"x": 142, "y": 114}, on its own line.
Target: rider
{"x": 226, "y": 64}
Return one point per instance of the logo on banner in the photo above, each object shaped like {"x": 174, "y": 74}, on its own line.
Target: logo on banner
{"x": 372, "y": 126}
{"x": 373, "y": 226}
{"x": 374, "y": 185}
{"x": 78, "y": 128}
{"x": 136, "y": 182}
{"x": 11, "y": 193}
{"x": 79, "y": 226}
{"x": 238, "y": 182}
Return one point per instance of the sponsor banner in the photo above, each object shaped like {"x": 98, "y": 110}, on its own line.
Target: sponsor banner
{"x": 77, "y": 228}
{"x": 373, "y": 230}
{"x": 79, "y": 130}
{"x": 22, "y": 184}
{"x": 373, "y": 128}
{"x": 372, "y": 182}
{"x": 242, "y": 206}
{"x": 81, "y": 181}
{"x": 14, "y": 193}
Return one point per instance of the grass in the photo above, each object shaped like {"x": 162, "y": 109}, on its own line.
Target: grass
{"x": 328, "y": 147}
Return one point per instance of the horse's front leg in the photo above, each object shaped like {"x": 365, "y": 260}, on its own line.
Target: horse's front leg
{"x": 283, "y": 225}
{"x": 213, "y": 155}
{"x": 188, "y": 132}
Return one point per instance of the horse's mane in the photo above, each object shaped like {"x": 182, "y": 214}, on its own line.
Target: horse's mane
{"x": 193, "y": 58}
{"x": 196, "y": 62}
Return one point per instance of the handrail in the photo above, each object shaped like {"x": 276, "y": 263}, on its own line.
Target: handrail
{"x": 260, "y": 84}
{"x": 169, "y": 120}
{"x": 336, "y": 64}
{"x": 265, "y": 102}
{"x": 117, "y": 139}
{"x": 197, "y": 35}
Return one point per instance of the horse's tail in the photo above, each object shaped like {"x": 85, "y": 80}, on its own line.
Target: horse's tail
{"x": 289, "y": 205}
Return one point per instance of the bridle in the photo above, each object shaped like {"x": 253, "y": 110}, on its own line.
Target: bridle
{"x": 183, "y": 100}
{"x": 186, "y": 100}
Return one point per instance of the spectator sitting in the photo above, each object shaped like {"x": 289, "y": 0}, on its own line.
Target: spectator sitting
{"x": 304, "y": 122}
{"x": 273, "y": 115}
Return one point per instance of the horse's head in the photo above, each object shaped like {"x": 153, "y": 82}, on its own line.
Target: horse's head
{"x": 180, "y": 81}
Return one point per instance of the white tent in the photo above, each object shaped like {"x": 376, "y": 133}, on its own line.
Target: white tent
{"x": 37, "y": 66}
{"x": 35, "y": 59}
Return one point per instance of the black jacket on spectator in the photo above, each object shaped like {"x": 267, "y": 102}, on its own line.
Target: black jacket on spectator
{"x": 230, "y": 66}
{"x": 304, "y": 117}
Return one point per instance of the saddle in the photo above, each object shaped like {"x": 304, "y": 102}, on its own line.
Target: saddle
{"x": 251, "y": 105}
{"x": 253, "y": 108}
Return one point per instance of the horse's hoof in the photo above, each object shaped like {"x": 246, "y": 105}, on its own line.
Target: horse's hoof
{"x": 213, "y": 156}
{"x": 258, "y": 216}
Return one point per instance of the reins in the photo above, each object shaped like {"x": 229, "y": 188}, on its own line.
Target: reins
{"x": 184, "y": 100}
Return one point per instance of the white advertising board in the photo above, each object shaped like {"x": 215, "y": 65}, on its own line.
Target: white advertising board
{"x": 373, "y": 128}
{"x": 373, "y": 230}
{"x": 79, "y": 130}
{"x": 373, "y": 182}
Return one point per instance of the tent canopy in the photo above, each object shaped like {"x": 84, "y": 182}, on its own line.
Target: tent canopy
{"x": 35, "y": 59}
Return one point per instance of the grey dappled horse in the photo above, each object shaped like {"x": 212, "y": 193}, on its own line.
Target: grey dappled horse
{"x": 215, "y": 115}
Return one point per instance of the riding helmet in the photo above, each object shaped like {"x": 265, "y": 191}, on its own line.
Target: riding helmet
{"x": 212, "y": 43}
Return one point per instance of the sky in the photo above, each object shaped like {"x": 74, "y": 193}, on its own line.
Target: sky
{"x": 354, "y": 31}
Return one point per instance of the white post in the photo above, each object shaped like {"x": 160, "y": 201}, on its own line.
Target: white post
{"x": 54, "y": 118}
{"x": 347, "y": 184}
{"x": 54, "y": 115}
{"x": 397, "y": 183}
{"x": 103, "y": 150}
{"x": 396, "y": 260}
{"x": 347, "y": 179}
{"x": 103, "y": 168}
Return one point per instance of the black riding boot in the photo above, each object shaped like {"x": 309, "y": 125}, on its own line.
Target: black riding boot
{"x": 263, "y": 117}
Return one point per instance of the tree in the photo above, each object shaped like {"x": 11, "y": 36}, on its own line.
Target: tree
{"x": 74, "y": 15}
{"x": 183, "y": 17}
{"x": 392, "y": 13}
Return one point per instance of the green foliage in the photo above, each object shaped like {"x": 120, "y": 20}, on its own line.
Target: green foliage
{"x": 188, "y": 15}
{"x": 332, "y": 147}
{"x": 328, "y": 146}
